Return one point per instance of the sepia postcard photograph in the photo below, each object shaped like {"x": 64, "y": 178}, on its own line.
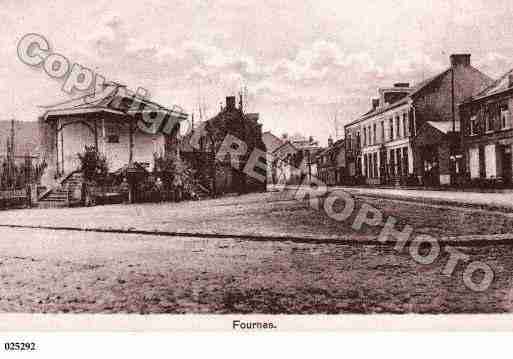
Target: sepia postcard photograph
{"x": 255, "y": 166}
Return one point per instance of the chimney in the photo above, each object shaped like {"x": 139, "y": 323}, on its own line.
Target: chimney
{"x": 330, "y": 141}
{"x": 402, "y": 85}
{"x": 375, "y": 103}
{"x": 230, "y": 103}
{"x": 460, "y": 59}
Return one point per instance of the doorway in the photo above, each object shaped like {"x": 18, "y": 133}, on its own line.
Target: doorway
{"x": 507, "y": 171}
{"x": 429, "y": 155}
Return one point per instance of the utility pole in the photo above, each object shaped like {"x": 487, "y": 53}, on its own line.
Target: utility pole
{"x": 11, "y": 156}
{"x": 453, "y": 103}
{"x": 336, "y": 126}
{"x": 12, "y": 138}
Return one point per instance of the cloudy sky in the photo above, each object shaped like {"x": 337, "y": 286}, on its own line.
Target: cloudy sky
{"x": 301, "y": 61}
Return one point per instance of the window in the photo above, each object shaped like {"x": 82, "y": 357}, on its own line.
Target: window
{"x": 505, "y": 117}
{"x": 375, "y": 164}
{"x": 405, "y": 125}
{"x": 398, "y": 162}
{"x": 365, "y": 136}
{"x": 113, "y": 139}
{"x": 473, "y": 125}
{"x": 489, "y": 121}
{"x": 383, "y": 139}
{"x": 406, "y": 164}
{"x": 392, "y": 163}
{"x": 391, "y": 121}
{"x": 398, "y": 126}
{"x": 374, "y": 133}
{"x": 348, "y": 142}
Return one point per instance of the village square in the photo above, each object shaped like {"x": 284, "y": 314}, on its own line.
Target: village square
{"x": 393, "y": 196}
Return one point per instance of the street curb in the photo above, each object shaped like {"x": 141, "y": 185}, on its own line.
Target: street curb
{"x": 438, "y": 202}
{"x": 464, "y": 241}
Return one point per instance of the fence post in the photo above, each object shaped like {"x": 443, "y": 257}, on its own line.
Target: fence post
{"x": 28, "y": 194}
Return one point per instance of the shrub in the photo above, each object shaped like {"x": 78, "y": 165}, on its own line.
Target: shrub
{"x": 93, "y": 165}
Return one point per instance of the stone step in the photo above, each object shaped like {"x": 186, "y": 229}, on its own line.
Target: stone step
{"x": 57, "y": 199}
{"x": 52, "y": 204}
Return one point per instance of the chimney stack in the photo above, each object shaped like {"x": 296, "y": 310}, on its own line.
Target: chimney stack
{"x": 230, "y": 103}
{"x": 460, "y": 59}
{"x": 375, "y": 103}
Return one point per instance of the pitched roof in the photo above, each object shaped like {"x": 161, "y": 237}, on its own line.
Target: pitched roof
{"x": 336, "y": 146}
{"x": 498, "y": 86}
{"x": 424, "y": 84}
{"x": 444, "y": 126}
{"x": 380, "y": 110}
{"x": 114, "y": 97}
{"x": 284, "y": 150}
{"x": 322, "y": 152}
{"x": 339, "y": 143}
{"x": 271, "y": 141}
{"x": 415, "y": 91}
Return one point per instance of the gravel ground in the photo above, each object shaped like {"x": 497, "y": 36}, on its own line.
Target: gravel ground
{"x": 65, "y": 271}
{"x": 264, "y": 214}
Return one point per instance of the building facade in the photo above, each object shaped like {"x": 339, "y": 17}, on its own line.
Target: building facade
{"x": 331, "y": 163}
{"x": 224, "y": 176}
{"x": 353, "y": 143}
{"x": 379, "y": 143}
{"x": 438, "y": 156}
{"x": 110, "y": 124}
{"x": 411, "y": 135}
{"x": 487, "y": 129}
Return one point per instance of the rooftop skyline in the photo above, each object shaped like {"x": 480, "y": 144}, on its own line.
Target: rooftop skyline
{"x": 300, "y": 61}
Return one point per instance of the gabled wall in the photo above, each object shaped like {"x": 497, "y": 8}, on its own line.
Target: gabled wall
{"x": 434, "y": 103}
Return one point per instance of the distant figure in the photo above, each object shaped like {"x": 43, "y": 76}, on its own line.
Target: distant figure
{"x": 158, "y": 188}
{"x": 158, "y": 184}
{"x": 125, "y": 188}
{"x": 177, "y": 188}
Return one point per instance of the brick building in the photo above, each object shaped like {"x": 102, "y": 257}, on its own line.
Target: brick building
{"x": 231, "y": 120}
{"x": 438, "y": 156}
{"x": 411, "y": 134}
{"x": 487, "y": 132}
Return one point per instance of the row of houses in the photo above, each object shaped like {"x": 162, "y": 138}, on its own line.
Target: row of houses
{"x": 291, "y": 159}
{"x": 331, "y": 163}
{"x": 420, "y": 134}
{"x": 454, "y": 129}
